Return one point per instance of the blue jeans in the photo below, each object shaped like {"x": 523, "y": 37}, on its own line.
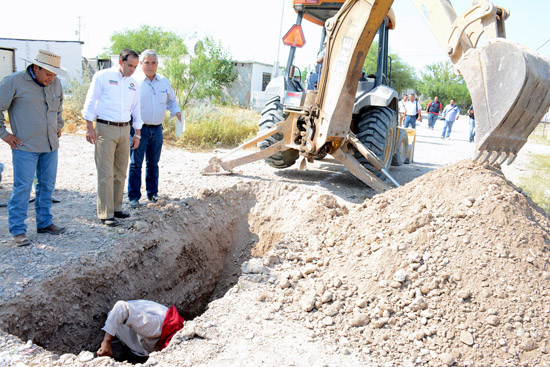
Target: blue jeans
{"x": 447, "y": 128}
{"x": 432, "y": 119}
{"x": 410, "y": 120}
{"x": 25, "y": 165}
{"x": 472, "y": 129}
{"x": 150, "y": 147}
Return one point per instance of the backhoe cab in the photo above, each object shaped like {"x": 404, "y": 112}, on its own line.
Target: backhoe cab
{"x": 354, "y": 118}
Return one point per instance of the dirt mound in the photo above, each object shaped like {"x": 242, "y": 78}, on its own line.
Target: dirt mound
{"x": 451, "y": 267}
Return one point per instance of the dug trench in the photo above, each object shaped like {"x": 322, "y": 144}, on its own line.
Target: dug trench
{"x": 181, "y": 253}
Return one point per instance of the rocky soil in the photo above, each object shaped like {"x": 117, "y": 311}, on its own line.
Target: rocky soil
{"x": 289, "y": 268}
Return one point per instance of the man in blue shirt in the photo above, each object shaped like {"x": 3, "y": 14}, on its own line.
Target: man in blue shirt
{"x": 156, "y": 96}
{"x": 451, "y": 113}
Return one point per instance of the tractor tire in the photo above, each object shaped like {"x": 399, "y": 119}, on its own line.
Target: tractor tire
{"x": 271, "y": 115}
{"x": 402, "y": 148}
{"x": 376, "y": 130}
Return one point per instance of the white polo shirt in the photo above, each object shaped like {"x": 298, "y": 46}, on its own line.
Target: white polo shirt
{"x": 412, "y": 107}
{"x": 113, "y": 97}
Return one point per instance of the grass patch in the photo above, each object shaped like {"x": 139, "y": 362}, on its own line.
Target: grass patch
{"x": 537, "y": 184}
{"x": 210, "y": 127}
{"x": 73, "y": 119}
{"x": 539, "y": 135}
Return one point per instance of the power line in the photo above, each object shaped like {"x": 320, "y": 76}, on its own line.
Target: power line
{"x": 548, "y": 40}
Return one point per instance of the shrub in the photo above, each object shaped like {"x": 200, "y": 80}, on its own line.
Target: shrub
{"x": 209, "y": 127}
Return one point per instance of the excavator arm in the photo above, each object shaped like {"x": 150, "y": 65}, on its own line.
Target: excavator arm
{"x": 509, "y": 86}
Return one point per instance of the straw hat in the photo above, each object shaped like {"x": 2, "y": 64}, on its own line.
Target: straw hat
{"x": 49, "y": 61}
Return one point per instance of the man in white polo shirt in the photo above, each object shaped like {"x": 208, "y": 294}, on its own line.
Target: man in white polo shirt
{"x": 157, "y": 96}
{"x": 113, "y": 101}
{"x": 413, "y": 112}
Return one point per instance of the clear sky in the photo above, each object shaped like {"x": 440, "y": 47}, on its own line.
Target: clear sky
{"x": 248, "y": 29}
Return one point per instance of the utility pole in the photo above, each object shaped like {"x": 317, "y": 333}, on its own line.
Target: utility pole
{"x": 275, "y": 72}
{"x": 79, "y": 27}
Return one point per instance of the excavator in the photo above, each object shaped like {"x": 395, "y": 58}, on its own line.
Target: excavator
{"x": 353, "y": 117}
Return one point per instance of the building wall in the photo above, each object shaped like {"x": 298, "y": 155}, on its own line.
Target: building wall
{"x": 70, "y": 52}
{"x": 249, "y": 84}
{"x": 241, "y": 88}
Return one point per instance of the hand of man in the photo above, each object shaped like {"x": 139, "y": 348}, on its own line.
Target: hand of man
{"x": 178, "y": 115}
{"x": 91, "y": 136}
{"x": 12, "y": 140}
{"x": 58, "y": 133}
{"x": 135, "y": 142}
{"x": 106, "y": 349}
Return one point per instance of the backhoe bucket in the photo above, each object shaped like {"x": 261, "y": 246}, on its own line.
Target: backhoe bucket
{"x": 519, "y": 85}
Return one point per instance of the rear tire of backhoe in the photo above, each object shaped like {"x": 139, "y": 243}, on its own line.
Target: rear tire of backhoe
{"x": 376, "y": 130}
{"x": 271, "y": 115}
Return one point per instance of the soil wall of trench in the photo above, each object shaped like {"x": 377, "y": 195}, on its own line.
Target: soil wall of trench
{"x": 182, "y": 255}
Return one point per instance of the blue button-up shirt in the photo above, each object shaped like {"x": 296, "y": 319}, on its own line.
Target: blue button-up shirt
{"x": 157, "y": 96}
{"x": 450, "y": 112}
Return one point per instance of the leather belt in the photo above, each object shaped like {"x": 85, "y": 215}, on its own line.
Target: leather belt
{"x": 150, "y": 125}
{"x": 112, "y": 123}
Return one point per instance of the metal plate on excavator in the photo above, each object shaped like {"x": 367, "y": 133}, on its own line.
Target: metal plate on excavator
{"x": 510, "y": 90}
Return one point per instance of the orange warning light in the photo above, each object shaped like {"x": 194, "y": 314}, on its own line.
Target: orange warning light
{"x": 295, "y": 36}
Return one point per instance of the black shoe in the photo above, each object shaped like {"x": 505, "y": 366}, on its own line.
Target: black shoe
{"x": 51, "y": 229}
{"x": 122, "y": 215}
{"x": 153, "y": 198}
{"x": 110, "y": 222}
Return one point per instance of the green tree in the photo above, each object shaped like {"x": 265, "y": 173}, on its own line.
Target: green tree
{"x": 204, "y": 76}
{"x": 440, "y": 80}
{"x": 402, "y": 75}
{"x": 146, "y": 37}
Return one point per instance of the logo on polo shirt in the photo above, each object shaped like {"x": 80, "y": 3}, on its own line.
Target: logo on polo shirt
{"x": 113, "y": 82}
{"x": 132, "y": 86}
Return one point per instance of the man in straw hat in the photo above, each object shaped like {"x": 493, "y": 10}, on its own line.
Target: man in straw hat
{"x": 34, "y": 101}
{"x": 113, "y": 101}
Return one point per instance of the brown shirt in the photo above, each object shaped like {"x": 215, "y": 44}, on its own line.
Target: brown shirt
{"x": 34, "y": 111}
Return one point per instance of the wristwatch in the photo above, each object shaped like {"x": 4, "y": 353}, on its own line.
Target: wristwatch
{"x": 138, "y": 136}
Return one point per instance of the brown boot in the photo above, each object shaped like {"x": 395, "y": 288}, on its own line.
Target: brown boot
{"x": 51, "y": 229}
{"x": 21, "y": 240}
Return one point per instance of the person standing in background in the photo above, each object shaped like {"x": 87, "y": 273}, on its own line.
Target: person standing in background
{"x": 472, "y": 123}
{"x": 451, "y": 113}
{"x": 402, "y": 109}
{"x": 413, "y": 112}
{"x": 433, "y": 112}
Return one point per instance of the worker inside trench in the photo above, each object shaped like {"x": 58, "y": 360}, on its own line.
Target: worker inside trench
{"x": 183, "y": 263}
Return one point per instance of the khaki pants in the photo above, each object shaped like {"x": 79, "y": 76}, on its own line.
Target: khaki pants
{"x": 112, "y": 152}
